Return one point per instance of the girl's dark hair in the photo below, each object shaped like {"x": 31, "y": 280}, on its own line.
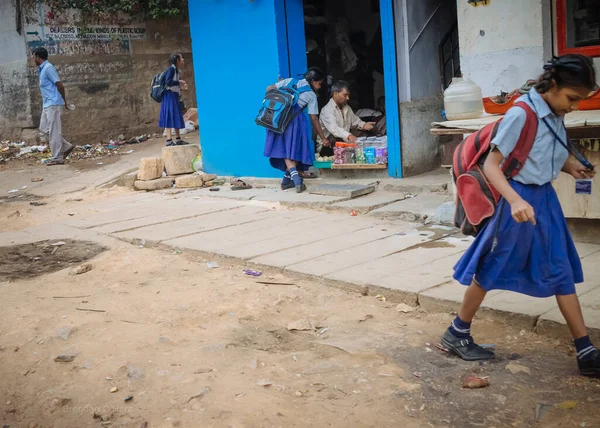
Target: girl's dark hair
{"x": 575, "y": 71}
{"x": 314, "y": 74}
{"x": 173, "y": 58}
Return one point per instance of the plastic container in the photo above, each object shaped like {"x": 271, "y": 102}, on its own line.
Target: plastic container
{"x": 463, "y": 100}
{"x": 360, "y": 153}
{"x": 344, "y": 153}
{"x": 370, "y": 155}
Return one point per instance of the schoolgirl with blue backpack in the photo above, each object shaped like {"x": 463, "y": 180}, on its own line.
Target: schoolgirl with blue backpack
{"x": 289, "y": 112}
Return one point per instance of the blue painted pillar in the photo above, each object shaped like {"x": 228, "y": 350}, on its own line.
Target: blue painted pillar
{"x": 239, "y": 48}
{"x": 392, "y": 102}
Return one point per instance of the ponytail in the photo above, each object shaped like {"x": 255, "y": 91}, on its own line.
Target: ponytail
{"x": 173, "y": 59}
{"x": 576, "y": 71}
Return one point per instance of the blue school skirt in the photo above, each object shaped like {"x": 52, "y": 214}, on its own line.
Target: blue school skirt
{"x": 295, "y": 143}
{"x": 539, "y": 261}
{"x": 170, "y": 112}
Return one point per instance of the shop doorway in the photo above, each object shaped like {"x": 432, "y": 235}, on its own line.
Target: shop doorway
{"x": 354, "y": 41}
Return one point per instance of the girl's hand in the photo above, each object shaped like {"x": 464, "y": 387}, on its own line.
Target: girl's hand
{"x": 574, "y": 168}
{"x": 521, "y": 211}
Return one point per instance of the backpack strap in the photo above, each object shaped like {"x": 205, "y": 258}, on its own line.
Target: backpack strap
{"x": 517, "y": 158}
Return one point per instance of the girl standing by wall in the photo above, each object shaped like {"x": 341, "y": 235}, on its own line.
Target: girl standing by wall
{"x": 535, "y": 254}
{"x": 171, "y": 116}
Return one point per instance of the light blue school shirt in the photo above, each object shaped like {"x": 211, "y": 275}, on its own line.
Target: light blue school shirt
{"x": 547, "y": 156}
{"x": 306, "y": 99}
{"x": 48, "y": 79}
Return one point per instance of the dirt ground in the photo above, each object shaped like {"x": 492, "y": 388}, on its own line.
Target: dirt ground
{"x": 185, "y": 345}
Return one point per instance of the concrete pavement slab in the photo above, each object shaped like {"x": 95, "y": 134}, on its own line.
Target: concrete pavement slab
{"x": 333, "y": 245}
{"x": 298, "y": 200}
{"x": 225, "y": 192}
{"x": 273, "y": 225}
{"x": 342, "y": 190}
{"x": 586, "y": 250}
{"x": 179, "y": 228}
{"x": 361, "y": 254}
{"x": 317, "y": 231}
{"x": 418, "y": 263}
{"x": 414, "y": 209}
{"x": 368, "y": 203}
{"x": 162, "y": 217}
{"x": 446, "y": 297}
{"x": 553, "y": 321}
{"x": 151, "y": 208}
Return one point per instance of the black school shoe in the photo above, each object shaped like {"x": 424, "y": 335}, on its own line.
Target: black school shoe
{"x": 590, "y": 366}
{"x": 465, "y": 348}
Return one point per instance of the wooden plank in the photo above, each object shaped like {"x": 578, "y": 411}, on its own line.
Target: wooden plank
{"x": 357, "y": 166}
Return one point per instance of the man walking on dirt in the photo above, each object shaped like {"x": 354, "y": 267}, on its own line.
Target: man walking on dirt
{"x": 54, "y": 99}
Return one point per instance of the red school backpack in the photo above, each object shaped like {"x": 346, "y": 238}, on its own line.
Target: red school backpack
{"x": 476, "y": 197}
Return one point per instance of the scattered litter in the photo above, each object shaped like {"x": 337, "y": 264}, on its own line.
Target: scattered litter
{"x": 353, "y": 213}
{"x": 322, "y": 332}
{"x": 365, "y": 318}
{"x": 264, "y": 383}
{"x": 128, "y": 398}
{"x": 90, "y": 310}
{"x": 274, "y": 283}
{"x": 71, "y": 297}
{"x": 100, "y": 163}
{"x": 410, "y": 196}
{"x": 441, "y": 348}
{"x": 253, "y": 364}
{"x": 428, "y": 350}
{"x": 252, "y": 272}
{"x": 37, "y": 204}
{"x": 240, "y": 395}
{"x": 129, "y": 152}
{"x": 114, "y": 389}
{"x": 474, "y": 382}
{"x": 300, "y": 325}
{"x": 212, "y": 265}
{"x": 404, "y": 308}
{"x": 541, "y": 410}
{"x": 380, "y": 297}
{"x": 84, "y": 268}
{"x": 58, "y": 244}
{"x": 13, "y": 191}
{"x": 567, "y": 405}
{"x": 214, "y": 189}
{"x": 36, "y": 179}
{"x": 64, "y": 358}
{"x": 202, "y": 371}
{"x": 108, "y": 378}
{"x": 418, "y": 375}
{"x": 517, "y": 368}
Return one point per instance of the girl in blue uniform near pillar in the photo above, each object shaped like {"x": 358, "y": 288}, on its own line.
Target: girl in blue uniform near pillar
{"x": 171, "y": 116}
{"x": 293, "y": 151}
{"x": 534, "y": 253}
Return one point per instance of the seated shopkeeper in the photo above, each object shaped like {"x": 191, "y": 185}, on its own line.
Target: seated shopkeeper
{"x": 338, "y": 120}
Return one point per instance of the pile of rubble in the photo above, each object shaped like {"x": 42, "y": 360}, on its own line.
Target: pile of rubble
{"x": 175, "y": 168}
{"x": 10, "y": 150}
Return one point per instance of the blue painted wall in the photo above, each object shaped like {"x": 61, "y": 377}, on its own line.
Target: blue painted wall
{"x": 236, "y": 47}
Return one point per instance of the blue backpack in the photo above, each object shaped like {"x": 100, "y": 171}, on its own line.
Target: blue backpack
{"x": 158, "y": 87}
{"x": 277, "y": 109}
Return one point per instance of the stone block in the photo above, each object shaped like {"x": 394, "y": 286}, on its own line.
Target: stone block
{"x": 159, "y": 183}
{"x": 128, "y": 180}
{"x": 188, "y": 181}
{"x": 150, "y": 169}
{"x": 208, "y": 184}
{"x": 209, "y": 177}
{"x": 178, "y": 159}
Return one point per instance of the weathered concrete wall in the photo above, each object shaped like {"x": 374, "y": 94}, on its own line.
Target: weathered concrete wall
{"x": 420, "y": 151}
{"x": 106, "y": 67}
{"x": 504, "y": 44}
{"x": 15, "y": 111}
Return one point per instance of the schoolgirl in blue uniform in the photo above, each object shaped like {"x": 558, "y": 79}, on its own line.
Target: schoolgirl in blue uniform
{"x": 171, "y": 116}
{"x": 533, "y": 252}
